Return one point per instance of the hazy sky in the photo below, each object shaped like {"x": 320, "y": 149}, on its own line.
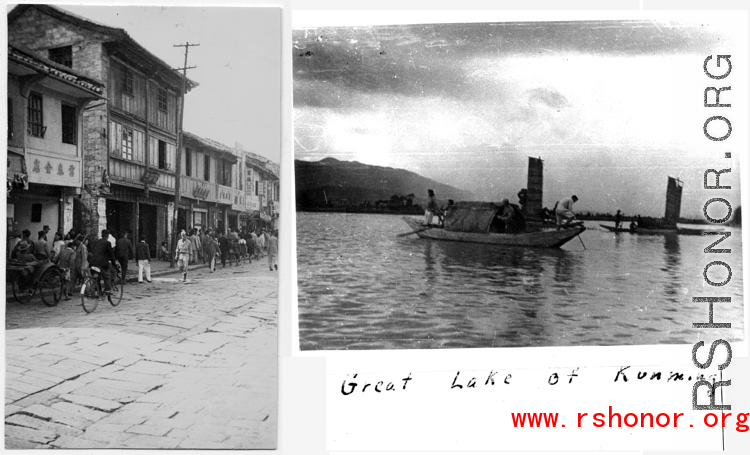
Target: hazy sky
{"x": 238, "y": 66}
{"x": 613, "y": 108}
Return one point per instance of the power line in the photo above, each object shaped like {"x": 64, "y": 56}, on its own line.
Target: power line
{"x": 178, "y": 159}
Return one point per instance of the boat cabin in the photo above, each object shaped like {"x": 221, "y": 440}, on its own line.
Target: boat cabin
{"x": 479, "y": 217}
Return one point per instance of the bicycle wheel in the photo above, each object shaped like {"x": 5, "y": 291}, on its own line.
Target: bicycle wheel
{"x": 90, "y": 294}
{"x": 117, "y": 289}
{"x": 22, "y": 296}
{"x": 51, "y": 286}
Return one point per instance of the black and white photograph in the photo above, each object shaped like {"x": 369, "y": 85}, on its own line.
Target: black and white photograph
{"x": 142, "y": 268}
{"x": 511, "y": 184}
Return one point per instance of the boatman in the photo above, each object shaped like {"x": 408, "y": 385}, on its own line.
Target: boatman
{"x": 511, "y": 217}
{"x": 564, "y": 211}
{"x": 432, "y": 208}
{"x": 618, "y": 219}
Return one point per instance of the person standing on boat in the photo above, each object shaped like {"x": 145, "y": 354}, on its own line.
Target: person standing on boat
{"x": 512, "y": 218}
{"x": 618, "y": 219}
{"x": 564, "y": 211}
{"x": 432, "y": 208}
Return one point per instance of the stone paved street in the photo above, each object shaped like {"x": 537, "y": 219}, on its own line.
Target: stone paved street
{"x": 175, "y": 365}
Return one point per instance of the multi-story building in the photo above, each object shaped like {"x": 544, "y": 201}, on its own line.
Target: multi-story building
{"x": 130, "y": 137}
{"x": 45, "y": 105}
{"x": 262, "y": 190}
{"x": 211, "y": 194}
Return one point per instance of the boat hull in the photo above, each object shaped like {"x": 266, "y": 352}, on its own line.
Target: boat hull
{"x": 643, "y": 231}
{"x": 540, "y": 239}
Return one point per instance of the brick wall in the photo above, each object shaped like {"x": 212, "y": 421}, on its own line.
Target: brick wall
{"x": 39, "y": 32}
{"x": 94, "y": 161}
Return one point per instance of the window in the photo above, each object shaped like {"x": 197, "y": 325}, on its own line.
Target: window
{"x": 207, "y": 168}
{"x": 163, "y": 156}
{"x": 36, "y": 116}
{"x": 36, "y": 213}
{"x": 188, "y": 162}
{"x": 127, "y": 143}
{"x": 127, "y": 81}
{"x": 224, "y": 173}
{"x": 162, "y": 99}
{"x": 256, "y": 187}
{"x": 10, "y": 119}
{"x": 62, "y": 55}
{"x": 69, "y": 123}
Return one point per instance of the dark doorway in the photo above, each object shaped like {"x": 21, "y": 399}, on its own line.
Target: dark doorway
{"x": 120, "y": 218}
{"x": 147, "y": 226}
{"x": 181, "y": 220}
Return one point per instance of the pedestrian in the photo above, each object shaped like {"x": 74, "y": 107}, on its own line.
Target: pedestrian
{"x": 196, "y": 241}
{"x": 243, "y": 248}
{"x": 205, "y": 238}
{"x": 45, "y": 229}
{"x": 212, "y": 251}
{"x": 262, "y": 244}
{"x": 111, "y": 239}
{"x": 254, "y": 244}
{"x": 41, "y": 249}
{"x": 164, "y": 252}
{"x": 224, "y": 249}
{"x": 273, "y": 251}
{"x": 66, "y": 262}
{"x": 57, "y": 246}
{"x": 14, "y": 239}
{"x": 183, "y": 253}
{"x": 123, "y": 252}
{"x": 143, "y": 257}
{"x": 234, "y": 247}
{"x": 80, "y": 266}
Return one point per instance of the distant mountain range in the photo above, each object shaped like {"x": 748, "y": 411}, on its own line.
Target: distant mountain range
{"x": 350, "y": 183}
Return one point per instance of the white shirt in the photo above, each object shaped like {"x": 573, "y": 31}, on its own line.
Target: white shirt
{"x": 567, "y": 204}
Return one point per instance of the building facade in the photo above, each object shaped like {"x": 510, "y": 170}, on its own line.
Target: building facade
{"x": 130, "y": 136}
{"x": 262, "y": 190}
{"x": 211, "y": 194}
{"x": 46, "y": 102}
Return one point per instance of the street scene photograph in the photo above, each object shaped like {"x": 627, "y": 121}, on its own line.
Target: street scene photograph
{"x": 143, "y": 186}
{"x": 514, "y": 184}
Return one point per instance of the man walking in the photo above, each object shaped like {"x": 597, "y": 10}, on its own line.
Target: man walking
{"x": 183, "y": 253}
{"x": 123, "y": 251}
{"x": 211, "y": 251}
{"x": 273, "y": 251}
{"x": 143, "y": 256}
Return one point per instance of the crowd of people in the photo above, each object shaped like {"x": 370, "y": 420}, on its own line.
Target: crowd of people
{"x": 75, "y": 252}
{"x": 236, "y": 246}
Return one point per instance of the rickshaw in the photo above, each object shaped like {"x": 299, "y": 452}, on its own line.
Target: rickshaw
{"x": 28, "y": 278}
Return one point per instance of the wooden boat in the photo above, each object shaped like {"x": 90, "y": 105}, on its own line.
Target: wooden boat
{"x": 476, "y": 222}
{"x": 660, "y": 231}
{"x": 668, "y": 224}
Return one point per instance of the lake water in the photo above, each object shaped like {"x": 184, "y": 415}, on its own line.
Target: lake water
{"x": 362, "y": 287}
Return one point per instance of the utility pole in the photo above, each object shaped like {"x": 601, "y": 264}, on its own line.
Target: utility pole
{"x": 178, "y": 159}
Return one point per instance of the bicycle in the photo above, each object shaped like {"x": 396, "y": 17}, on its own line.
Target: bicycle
{"x": 92, "y": 293}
